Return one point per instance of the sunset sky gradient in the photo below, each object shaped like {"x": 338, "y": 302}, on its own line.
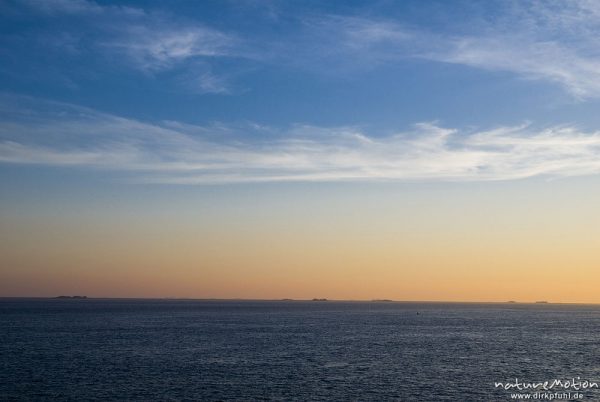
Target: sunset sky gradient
{"x": 344, "y": 150}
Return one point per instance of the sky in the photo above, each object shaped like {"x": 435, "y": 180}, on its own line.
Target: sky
{"x": 415, "y": 150}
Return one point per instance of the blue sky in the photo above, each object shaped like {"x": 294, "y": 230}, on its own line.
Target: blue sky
{"x": 227, "y": 92}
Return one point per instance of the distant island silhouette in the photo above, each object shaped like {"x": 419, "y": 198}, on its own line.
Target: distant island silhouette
{"x": 71, "y": 297}
{"x": 319, "y": 300}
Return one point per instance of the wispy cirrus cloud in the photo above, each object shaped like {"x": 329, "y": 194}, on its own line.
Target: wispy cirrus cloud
{"x": 170, "y": 152}
{"x": 154, "y": 49}
{"x": 577, "y": 74}
{"x": 547, "y": 41}
{"x": 150, "y": 41}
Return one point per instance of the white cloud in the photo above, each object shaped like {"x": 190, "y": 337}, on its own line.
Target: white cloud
{"x": 548, "y": 41}
{"x": 151, "y": 42}
{"x": 571, "y": 68}
{"x": 210, "y": 83}
{"x": 552, "y": 41}
{"x": 171, "y": 152}
{"x": 359, "y": 33}
{"x": 158, "y": 48}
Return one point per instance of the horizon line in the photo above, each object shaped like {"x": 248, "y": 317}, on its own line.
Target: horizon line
{"x": 84, "y": 297}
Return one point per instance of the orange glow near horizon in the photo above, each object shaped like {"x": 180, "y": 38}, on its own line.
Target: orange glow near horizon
{"x": 464, "y": 247}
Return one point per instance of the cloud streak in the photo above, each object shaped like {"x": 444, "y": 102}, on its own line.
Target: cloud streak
{"x": 152, "y": 42}
{"x": 549, "y": 41}
{"x": 153, "y": 49}
{"x": 577, "y": 72}
{"x": 57, "y": 134}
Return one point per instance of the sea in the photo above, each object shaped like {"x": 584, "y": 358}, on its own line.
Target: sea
{"x": 214, "y": 350}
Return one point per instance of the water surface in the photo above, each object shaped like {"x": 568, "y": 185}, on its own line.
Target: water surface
{"x": 288, "y": 350}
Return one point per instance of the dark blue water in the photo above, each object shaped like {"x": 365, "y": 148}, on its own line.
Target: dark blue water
{"x": 241, "y": 350}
